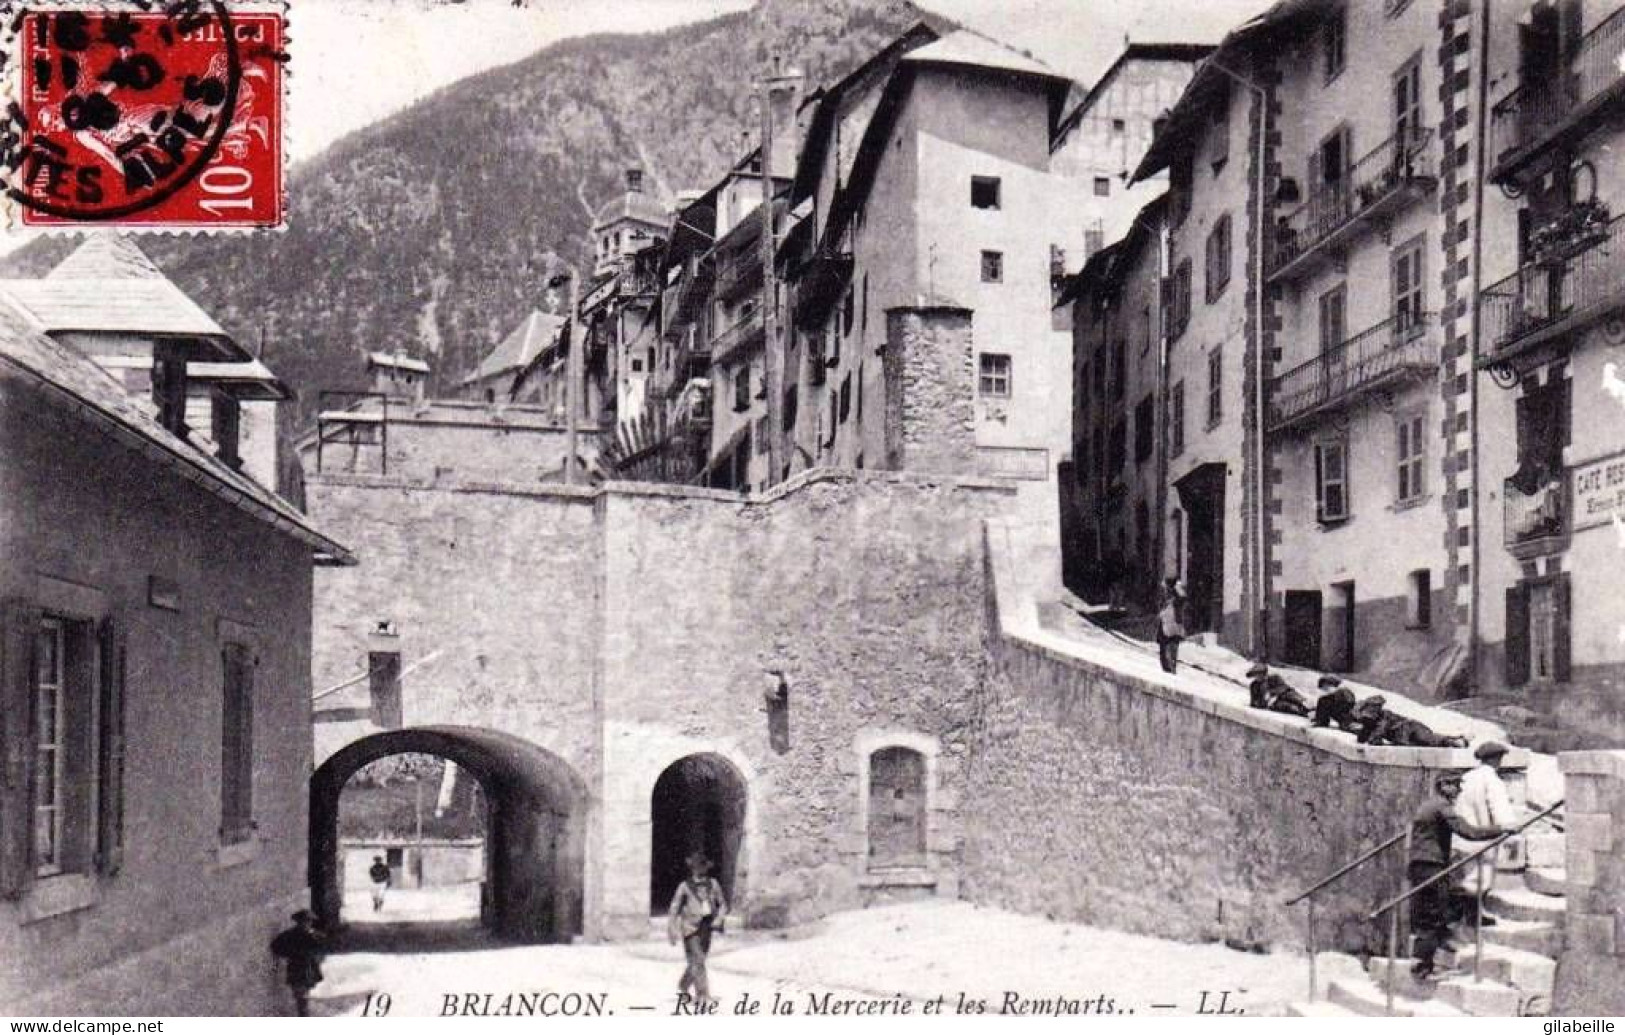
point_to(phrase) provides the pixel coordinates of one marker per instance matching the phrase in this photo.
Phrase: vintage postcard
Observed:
(929, 511)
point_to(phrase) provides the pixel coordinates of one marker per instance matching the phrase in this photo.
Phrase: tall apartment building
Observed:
(1391, 300)
(1111, 493)
(1547, 372)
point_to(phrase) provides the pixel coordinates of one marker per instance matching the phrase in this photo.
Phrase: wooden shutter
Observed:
(1517, 634)
(21, 628)
(1562, 655)
(110, 755)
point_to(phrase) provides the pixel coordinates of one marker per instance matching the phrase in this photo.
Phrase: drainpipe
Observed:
(1257, 623)
(1475, 596)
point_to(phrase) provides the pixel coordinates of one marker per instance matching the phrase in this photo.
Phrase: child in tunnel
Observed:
(697, 910)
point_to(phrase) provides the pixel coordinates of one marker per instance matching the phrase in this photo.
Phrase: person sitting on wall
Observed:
(1335, 706)
(1272, 693)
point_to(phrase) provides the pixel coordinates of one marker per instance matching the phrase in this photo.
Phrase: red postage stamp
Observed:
(145, 114)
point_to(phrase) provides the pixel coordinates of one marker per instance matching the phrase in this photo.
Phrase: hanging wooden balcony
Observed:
(1535, 522)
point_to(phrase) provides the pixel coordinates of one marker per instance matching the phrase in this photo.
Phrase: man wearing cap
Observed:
(697, 910)
(1170, 626)
(1272, 693)
(1335, 706)
(1432, 908)
(301, 948)
(1484, 800)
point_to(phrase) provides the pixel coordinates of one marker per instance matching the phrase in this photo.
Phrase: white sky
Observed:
(357, 61)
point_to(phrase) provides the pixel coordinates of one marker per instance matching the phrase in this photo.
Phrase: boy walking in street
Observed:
(1435, 907)
(379, 875)
(697, 910)
(1170, 625)
(301, 948)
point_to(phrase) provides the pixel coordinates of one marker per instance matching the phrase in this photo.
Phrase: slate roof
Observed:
(109, 285)
(524, 344)
(77, 382)
(973, 50)
(635, 205)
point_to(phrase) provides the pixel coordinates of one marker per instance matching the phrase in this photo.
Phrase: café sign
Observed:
(1599, 491)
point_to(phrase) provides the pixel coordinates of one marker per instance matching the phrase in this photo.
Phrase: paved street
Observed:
(909, 953)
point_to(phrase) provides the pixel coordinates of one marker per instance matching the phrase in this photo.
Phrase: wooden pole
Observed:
(572, 377)
(769, 247)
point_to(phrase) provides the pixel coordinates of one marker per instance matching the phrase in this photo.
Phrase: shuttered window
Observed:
(1331, 481)
(237, 745)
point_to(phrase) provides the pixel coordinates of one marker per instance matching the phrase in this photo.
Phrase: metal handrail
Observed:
(1464, 860)
(1329, 879)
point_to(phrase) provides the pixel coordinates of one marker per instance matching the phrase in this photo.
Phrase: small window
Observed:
(1176, 419)
(1331, 481)
(742, 390)
(1119, 126)
(984, 192)
(993, 381)
(846, 397)
(1179, 302)
(1420, 604)
(848, 310)
(637, 365)
(1145, 429)
(792, 407)
(1103, 187)
(1406, 267)
(1215, 387)
(1218, 258)
(992, 267)
(1218, 138)
(1412, 453)
(1334, 43)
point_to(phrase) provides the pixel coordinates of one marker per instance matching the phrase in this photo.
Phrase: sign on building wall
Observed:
(1599, 491)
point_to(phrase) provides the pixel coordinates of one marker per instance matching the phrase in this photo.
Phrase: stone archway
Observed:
(698, 802)
(537, 829)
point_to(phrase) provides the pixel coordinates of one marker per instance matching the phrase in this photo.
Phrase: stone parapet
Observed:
(1591, 970)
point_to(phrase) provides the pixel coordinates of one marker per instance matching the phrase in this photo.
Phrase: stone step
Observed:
(1523, 904)
(1318, 1008)
(1546, 880)
(1481, 998)
(1528, 972)
(1546, 939)
(1364, 997)
(1545, 850)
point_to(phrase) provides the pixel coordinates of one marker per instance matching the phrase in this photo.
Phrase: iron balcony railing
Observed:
(744, 333)
(1551, 106)
(1548, 297)
(1397, 169)
(1535, 516)
(738, 273)
(1399, 346)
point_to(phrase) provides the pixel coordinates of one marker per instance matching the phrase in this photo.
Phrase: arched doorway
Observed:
(535, 827)
(698, 803)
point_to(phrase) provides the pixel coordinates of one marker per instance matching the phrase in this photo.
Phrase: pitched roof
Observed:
(521, 346)
(634, 205)
(77, 382)
(1177, 53)
(399, 360)
(109, 285)
(251, 380)
(973, 50)
(1178, 129)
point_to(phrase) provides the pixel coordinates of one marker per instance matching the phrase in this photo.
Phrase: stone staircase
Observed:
(1519, 956)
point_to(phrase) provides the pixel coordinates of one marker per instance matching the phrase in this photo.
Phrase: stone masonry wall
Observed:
(930, 375)
(1591, 971)
(1119, 800)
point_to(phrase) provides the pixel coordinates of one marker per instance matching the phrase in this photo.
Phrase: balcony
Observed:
(818, 283)
(1397, 348)
(1579, 278)
(746, 333)
(1398, 172)
(1553, 110)
(1536, 522)
(739, 273)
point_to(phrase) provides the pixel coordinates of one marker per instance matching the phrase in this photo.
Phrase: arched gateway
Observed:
(535, 847)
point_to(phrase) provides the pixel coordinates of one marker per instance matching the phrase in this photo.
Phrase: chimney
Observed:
(783, 99)
(634, 181)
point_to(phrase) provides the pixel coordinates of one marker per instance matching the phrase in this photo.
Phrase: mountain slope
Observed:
(430, 230)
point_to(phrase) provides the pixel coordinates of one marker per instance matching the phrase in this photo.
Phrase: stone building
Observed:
(1112, 499)
(154, 708)
(496, 378)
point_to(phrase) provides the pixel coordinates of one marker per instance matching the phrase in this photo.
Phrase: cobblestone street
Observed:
(905, 953)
